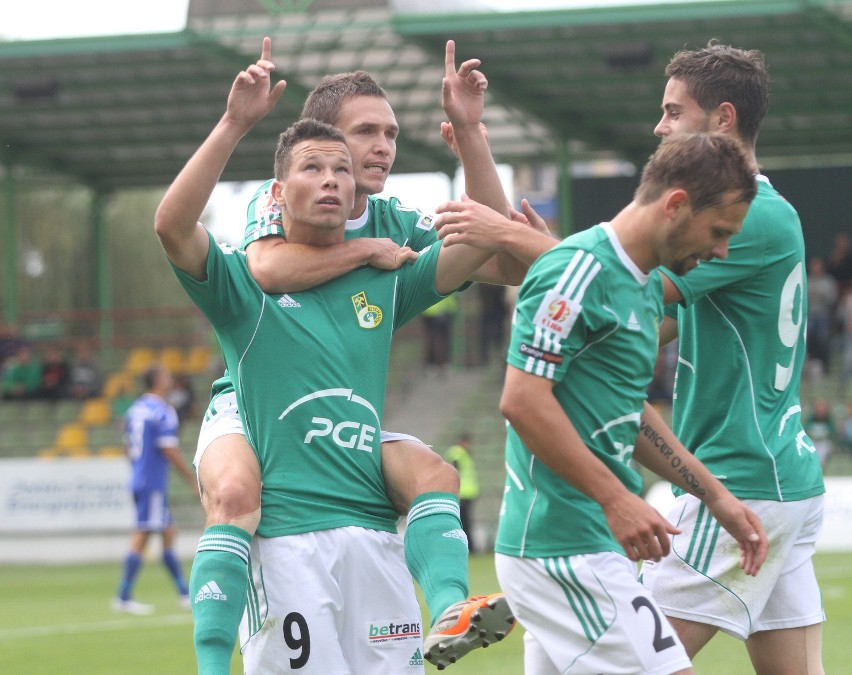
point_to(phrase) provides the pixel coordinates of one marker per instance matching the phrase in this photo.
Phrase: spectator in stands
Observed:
(54, 374)
(821, 429)
(844, 321)
(181, 397)
(460, 456)
(840, 263)
(846, 429)
(822, 296)
(10, 342)
(438, 330)
(22, 374)
(493, 313)
(85, 378)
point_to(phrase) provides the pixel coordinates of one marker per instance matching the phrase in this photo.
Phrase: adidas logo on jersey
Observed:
(633, 322)
(286, 301)
(416, 658)
(210, 591)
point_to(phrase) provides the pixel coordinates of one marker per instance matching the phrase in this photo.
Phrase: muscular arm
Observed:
(659, 450)
(462, 97)
(532, 409)
(176, 222)
(282, 267)
(522, 243)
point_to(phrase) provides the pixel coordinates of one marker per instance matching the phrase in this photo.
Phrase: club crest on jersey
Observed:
(427, 222)
(369, 316)
(557, 313)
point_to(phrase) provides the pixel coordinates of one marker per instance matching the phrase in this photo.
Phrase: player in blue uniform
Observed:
(151, 437)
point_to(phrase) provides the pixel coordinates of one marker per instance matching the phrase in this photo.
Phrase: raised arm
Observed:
(176, 223)
(463, 99)
(659, 450)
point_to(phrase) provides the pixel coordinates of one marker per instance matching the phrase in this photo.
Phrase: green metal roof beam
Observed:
(424, 24)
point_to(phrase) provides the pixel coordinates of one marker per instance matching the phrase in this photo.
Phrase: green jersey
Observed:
(588, 319)
(385, 218)
(309, 371)
(741, 348)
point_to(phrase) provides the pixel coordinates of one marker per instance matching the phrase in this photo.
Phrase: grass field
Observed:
(55, 620)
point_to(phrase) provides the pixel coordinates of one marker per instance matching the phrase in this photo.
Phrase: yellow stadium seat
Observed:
(72, 435)
(117, 383)
(95, 412)
(111, 451)
(139, 359)
(173, 359)
(197, 360)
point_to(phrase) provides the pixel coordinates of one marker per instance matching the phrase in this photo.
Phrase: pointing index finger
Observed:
(266, 50)
(450, 58)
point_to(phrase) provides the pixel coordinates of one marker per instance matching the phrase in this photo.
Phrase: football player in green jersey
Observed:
(582, 354)
(741, 326)
(452, 266)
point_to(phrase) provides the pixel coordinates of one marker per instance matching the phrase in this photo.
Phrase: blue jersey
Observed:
(150, 424)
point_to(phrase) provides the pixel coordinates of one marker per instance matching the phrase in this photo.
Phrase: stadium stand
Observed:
(71, 428)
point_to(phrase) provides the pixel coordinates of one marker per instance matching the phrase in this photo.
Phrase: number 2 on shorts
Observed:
(660, 643)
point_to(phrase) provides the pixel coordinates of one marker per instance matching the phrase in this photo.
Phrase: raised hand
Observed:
(252, 93)
(469, 222)
(450, 138)
(529, 216)
(462, 90)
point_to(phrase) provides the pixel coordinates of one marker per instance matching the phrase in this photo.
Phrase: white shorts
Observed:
(333, 602)
(701, 579)
(225, 419)
(588, 614)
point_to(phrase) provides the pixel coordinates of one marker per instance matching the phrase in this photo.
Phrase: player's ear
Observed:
(674, 201)
(277, 192)
(726, 117)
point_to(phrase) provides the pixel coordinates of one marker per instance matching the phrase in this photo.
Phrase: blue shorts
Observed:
(152, 510)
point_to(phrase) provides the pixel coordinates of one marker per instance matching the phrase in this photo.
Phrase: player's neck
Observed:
(360, 205)
(311, 235)
(634, 227)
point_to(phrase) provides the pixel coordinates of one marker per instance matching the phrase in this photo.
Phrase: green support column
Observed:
(565, 192)
(103, 273)
(10, 264)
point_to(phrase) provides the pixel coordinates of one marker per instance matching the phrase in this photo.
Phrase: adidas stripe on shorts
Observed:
(333, 602)
(586, 615)
(701, 579)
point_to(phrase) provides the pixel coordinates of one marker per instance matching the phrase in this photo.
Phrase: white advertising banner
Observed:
(39, 496)
(836, 534)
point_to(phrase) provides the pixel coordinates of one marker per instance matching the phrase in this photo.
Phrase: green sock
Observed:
(436, 550)
(217, 585)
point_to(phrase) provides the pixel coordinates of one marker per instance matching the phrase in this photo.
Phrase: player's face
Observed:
(681, 114)
(319, 191)
(703, 236)
(370, 128)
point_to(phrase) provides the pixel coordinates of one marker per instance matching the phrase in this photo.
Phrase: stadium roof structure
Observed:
(584, 83)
